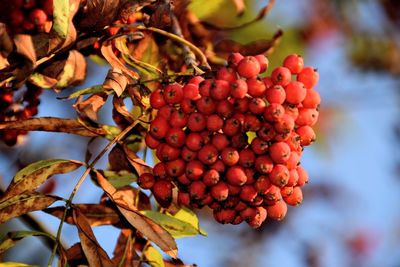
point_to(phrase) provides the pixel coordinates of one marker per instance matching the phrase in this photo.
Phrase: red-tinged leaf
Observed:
(146, 226)
(116, 80)
(24, 203)
(137, 163)
(90, 107)
(50, 124)
(124, 252)
(95, 254)
(32, 176)
(76, 256)
(96, 214)
(42, 81)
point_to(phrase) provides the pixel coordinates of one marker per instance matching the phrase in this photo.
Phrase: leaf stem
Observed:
(80, 181)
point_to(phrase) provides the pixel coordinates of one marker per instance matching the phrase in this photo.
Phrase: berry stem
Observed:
(89, 167)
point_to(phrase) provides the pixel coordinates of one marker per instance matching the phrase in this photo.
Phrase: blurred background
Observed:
(350, 215)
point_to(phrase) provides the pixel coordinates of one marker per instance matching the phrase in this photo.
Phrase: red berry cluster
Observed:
(13, 107)
(28, 16)
(233, 142)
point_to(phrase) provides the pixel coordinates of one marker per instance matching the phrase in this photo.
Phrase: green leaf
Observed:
(86, 91)
(9, 240)
(111, 131)
(16, 264)
(153, 257)
(188, 216)
(32, 176)
(24, 203)
(121, 178)
(61, 17)
(176, 227)
(42, 81)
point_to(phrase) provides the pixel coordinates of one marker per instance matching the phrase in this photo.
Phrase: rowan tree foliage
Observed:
(226, 135)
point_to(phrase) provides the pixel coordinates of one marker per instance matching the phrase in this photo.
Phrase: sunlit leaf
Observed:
(11, 238)
(94, 253)
(16, 264)
(60, 17)
(24, 203)
(136, 162)
(74, 70)
(42, 81)
(86, 91)
(188, 216)
(153, 257)
(120, 178)
(32, 176)
(89, 107)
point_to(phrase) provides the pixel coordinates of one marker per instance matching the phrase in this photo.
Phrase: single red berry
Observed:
(241, 105)
(151, 141)
(279, 175)
(291, 110)
(307, 116)
(236, 176)
(194, 170)
(159, 128)
(175, 137)
(267, 82)
(295, 92)
(234, 59)
(309, 77)
(197, 190)
(220, 90)
(277, 211)
(274, 112)
(196, 80)
(275, 94)
(251, 123)
(279, 152)
(38, 17)
(239, 141)
(261, 216)
(257, 105)
(238, 89)
(169, 152)
(188, 155)
(166, 112)
(266, 132)
(178, 119)
(312, 100)
(208, 154)
(307, 135)
(247, 158)
(184, 180)
(224, 216)
(303, 176)
(196, 122)
(273, 194)
(256, 87)
(16, 17)
(250, 174)
(188, 106)
(262, 185)
(219, 166)
(220, 141)
(157, 99)
(226, 74)
(173, 93)
(204, 87)
(248, 67)
(194, 141)
(162, 191)
(232, 127)
(230, 156)
(263, 61)
(293, 160)
(259, 146)
(183, 199)
(286, 191)
(248, 193)
(146, 180)
(191, 91)
(205, 105)
(234, 190)
(220, 191)
(248, 213)
(294, 63)
(214, 123)
(211, 177)
(284, 125)
(159, 171)
(293, 178)
(295, 198)
(281, 76)
(264, 164)
(225, 109)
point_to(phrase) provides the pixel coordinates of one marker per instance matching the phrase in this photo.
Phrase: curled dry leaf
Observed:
(136, 162)
(146, 226)
(50, 124)
(253, 48)
(32, 176)
(96, 214)
(116, 80)
(95, 254)
(24, 203)
(90, 107)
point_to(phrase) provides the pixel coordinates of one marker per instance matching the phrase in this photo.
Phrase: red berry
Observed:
(220, 191)
(312, 100)
(162, 191)
(151, 141)
(303, 176)
(194, 141)
(38, 17)
(255, 87)
(247, 158)
(157, 99)
(175, 137)
(248, 193)
(238, 89)
(219, 166)
(173, 93)
(295, 92)
(259, 218)
(277, 211)
(284, 125)
(214, 123)
(183, 199)
(169, 152)
(264, 164)
(208, 154)
(241, 105)
(251, 123)
(295, 198)
(248, 67)
(275, 94)
(205, 86)
(307, 116)
(211, 177)
(309, 77)
(188, 155)
(257, 105)
(259, 146)
(236, 176)
(281, 76)
(146, 180)
(196, 80)
(307, 135)
(191, 91)
(267, 132)
(279, 152)
(263, 61)
(166, 112)
(220, 90)
(159, 171)
(47, 6)
(231, 127)
(239, 141)
(294, 63)
(279, 175)
(159, 128)
(234, 59)
(230, 156)
(293, 178)
(184, 180)
(205, 105)
(178, 119)
(262, 185)
(274, 112)
(16, 17)
(197, 190)
(226, 74)
(219, 141)
(196, 122)
(224, 216)
(225, 109)
(194, 170)
(188, 106)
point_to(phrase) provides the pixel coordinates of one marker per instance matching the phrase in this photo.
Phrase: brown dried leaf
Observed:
(24, 203)
(24, 46)
(88, 108)
(120, 107)
(96, 214)
(113, 60)
(75, 255)
(116, 80)
(161, 18)
(96, 14)
(74, 71)
(253, 48)
(137, 163)
(32, 176)
(146, 226)
(50, 124)
(6, 46)
(94, 253)
(117, 159)
(124, 252)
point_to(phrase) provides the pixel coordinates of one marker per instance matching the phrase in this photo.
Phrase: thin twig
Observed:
(119, 137)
